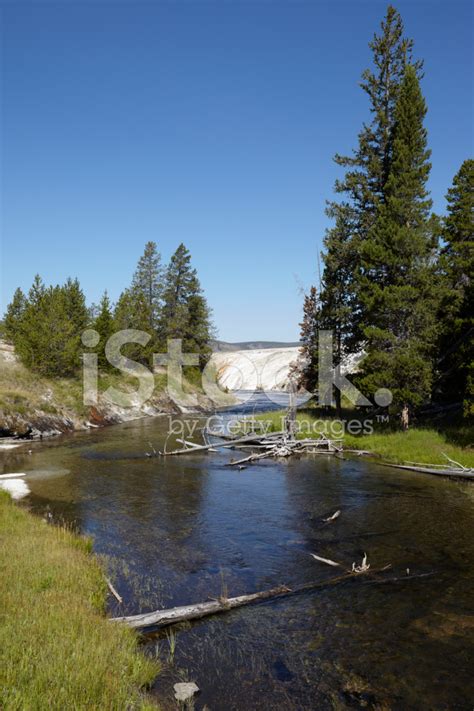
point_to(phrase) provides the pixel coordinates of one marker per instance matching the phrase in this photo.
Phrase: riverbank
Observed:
(423, 444)
(57, 649)
(33, 405)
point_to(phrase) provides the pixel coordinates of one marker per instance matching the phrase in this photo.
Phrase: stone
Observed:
(185, 690)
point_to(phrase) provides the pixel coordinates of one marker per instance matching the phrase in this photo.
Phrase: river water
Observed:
(182, 529)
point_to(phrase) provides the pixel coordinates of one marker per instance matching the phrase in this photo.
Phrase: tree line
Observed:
(46, 324)
(397, 281)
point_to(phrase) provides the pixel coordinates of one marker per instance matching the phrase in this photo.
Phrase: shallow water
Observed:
(174, 530)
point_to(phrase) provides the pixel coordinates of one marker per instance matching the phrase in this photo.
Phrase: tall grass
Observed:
(419, 444)
(57, 650)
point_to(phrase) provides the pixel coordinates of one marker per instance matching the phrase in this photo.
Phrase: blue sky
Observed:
(211, 123)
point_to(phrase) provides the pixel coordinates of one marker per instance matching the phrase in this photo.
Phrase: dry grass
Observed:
(23, 392)
(57, 650)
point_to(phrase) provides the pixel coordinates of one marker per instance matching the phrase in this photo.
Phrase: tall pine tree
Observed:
(185, 313)
(362, 189)
(104, 325)
(148, 281)
(132, 312)
(456, 357)
(396, 285)
(13, 317)
(309, 330)
(31, 342)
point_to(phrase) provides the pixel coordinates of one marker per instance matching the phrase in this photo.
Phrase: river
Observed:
(181, 529)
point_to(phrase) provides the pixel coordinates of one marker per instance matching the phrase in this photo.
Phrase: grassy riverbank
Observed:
(57, 650)
(419, 444)
(29, 400)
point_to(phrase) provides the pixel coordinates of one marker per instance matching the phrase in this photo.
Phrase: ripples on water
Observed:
(173, 529)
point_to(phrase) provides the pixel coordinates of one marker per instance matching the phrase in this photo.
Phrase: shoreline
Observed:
(65, 651)
(423, 443)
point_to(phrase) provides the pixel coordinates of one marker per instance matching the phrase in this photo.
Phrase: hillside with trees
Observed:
(41, 387)
(45, 325)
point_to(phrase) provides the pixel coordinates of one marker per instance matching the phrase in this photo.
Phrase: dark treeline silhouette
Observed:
(46, 325)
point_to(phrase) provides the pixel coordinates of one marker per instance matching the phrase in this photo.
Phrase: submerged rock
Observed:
(185, 690)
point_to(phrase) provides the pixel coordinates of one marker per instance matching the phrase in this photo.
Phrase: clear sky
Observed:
(211, 123)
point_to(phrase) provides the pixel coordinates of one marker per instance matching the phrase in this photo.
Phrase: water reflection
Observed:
(173, 528)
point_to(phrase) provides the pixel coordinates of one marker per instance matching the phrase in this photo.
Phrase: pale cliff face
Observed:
(266, 369)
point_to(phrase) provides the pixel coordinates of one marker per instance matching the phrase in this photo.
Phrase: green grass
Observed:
(57, 650)
(416, 445)
(419, 444)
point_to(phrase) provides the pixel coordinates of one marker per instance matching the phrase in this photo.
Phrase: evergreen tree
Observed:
(185, 313)
(31, 342)
(132, 312)
(397, 286)
(199, 329)
(47, 337)
(13, 317)
(363, 186)
(369, 166)
(78, 317)
(340, 310)
(310, 326)
(60, 353)
(148, 280)
(76, 308)
(456, 361)
(104, 325)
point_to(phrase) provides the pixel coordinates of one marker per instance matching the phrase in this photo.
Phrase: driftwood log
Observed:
(434, 469)
(163, 618)
(223, 445)
(114, 591)
(285, 447)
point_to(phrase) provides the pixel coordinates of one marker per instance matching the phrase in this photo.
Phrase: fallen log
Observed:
(219, 445)
(328, 561)
(163, 618)
(359, 452)
(250, 458)
(114, 591)
(272, 450)
(187, 443)
(192, 445)
(428, 469)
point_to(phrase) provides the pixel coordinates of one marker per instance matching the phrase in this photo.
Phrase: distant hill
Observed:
(224, 347)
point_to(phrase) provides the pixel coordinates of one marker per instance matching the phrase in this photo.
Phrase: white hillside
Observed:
(265, 368)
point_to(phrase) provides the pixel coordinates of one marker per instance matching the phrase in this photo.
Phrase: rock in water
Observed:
(185, 691)
(16, 488)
